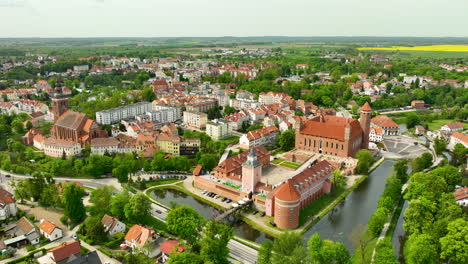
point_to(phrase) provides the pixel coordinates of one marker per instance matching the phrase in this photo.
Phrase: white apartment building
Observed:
(115, 115)
(160, 107)
(219, 129)
(195, 119)
(111, 145)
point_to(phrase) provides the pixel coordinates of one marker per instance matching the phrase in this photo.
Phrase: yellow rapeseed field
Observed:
(450, 48)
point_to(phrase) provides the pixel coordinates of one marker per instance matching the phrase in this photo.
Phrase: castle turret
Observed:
(251, 172)
(365, 120)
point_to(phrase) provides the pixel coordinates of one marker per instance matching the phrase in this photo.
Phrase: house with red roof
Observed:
(49, 230)
(170, 247)
(7, 205)
(461, 196)
(389, 127)
(259, 137)
(453, 127)
(139, 236)
(375, 134)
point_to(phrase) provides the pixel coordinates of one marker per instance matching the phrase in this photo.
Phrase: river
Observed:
(355, 210)
(241, 229)
(336, 225)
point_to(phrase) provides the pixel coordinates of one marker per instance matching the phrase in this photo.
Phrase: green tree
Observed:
(101, 199)
(265, 252)
(288, 248)
(455, 244)
(426, 185)
(18, 126)
(213, 242)
(439, 145)
(365, 160)
(185, 258)
(138, 208)
(412, 120)
(459, 154)
(287, 140)
(325, 251)
(450, 174)
(337, 178)
(378, 220)
(121, 173)
(184, 222)
(420, 249)
(384, 253)
(50, 196)
(94, 229)
(228, 110)
(401, 170)
(148, 95)
(423, 162)
(72, 203)
(419, 216)
(29, 125)
(118, 203)
(208, 161)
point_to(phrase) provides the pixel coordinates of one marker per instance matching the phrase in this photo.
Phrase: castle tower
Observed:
(365, 120)
(287, 205)
(59, 106)
(251, 172)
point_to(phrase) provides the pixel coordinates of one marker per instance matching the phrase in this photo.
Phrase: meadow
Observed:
(444, 48)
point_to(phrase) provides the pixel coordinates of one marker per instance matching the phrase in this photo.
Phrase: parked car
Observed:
(263, 214)
(158, 211)
(224, 199)
(256, 212)
(273, 224)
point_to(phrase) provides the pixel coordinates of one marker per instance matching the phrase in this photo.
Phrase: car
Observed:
(273, 224)
(213, 195)
(263, 214)
(217, 196)
(158, 211)
(228, 201)
(256, 212)
(8, 175)
(224, 199)
(74, 236)
(203, 192)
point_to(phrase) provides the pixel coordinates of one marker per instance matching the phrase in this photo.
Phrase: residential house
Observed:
(31, 106)
(390, 128)
(56, 147)
(268, 121)
(238, 119)
(461, 196)
(26, 230)
(453, 127)
(259, 137)
(50, 230)
(112, 225)
(169, 247)
(456, 138)
(8, 108)
(7, 204)
(69, 253)
(139, 236)
(285, 125)
(418, 104)
(419, 130)
(376, 134)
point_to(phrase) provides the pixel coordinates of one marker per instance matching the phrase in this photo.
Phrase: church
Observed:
(333, 135)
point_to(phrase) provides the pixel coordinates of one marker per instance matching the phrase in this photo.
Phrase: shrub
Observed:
(30, 247)
(64, 219)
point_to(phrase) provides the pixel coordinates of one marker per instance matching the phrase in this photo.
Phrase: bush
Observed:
(32, 218)
(64, 219)
(30, 247)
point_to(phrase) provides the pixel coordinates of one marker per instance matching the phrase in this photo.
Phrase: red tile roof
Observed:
(331, 127)
(197, 170)
(366, 107)
(454, 125)
(287, 192)
(384, 121)
(65, 250)
(6, 197)
(170, 246)
(47, 227)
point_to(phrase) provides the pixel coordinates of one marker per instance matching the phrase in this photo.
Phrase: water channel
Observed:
(336, 225)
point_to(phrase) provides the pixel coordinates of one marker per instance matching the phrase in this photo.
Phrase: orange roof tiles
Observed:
(287, 192)
(47, 227)
(65, 250)
(366, 107)
(331, 127)
(383, 121)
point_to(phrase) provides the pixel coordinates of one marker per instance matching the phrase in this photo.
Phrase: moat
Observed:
(337, 225)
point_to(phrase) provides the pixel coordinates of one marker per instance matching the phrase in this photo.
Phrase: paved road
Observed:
(242, 252)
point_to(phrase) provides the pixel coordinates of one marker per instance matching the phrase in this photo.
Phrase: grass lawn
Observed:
(230, 140)
(153, 183)
(436, 124)
(318, 205)
(286, 164)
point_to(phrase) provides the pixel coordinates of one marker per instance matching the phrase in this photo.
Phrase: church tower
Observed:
(365, 120)
(251, 172)
(59, 106)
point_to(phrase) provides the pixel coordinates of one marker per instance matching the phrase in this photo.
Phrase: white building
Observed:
(219, 129)
(112, 225)
(7, 205)
(8, 108)
(259, 137)
(453, 127)
(195, 119)
(115, 115)
(110, 145)
(56, 147)
(31, 106)
(376, 134)
(161, 107)
(50, 230)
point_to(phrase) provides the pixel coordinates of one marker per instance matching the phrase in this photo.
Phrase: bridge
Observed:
(235, 206)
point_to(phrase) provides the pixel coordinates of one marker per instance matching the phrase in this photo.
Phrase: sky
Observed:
(215, 18)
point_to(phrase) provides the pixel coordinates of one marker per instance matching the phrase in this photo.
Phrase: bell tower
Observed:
(365, 120)
(251, 172)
